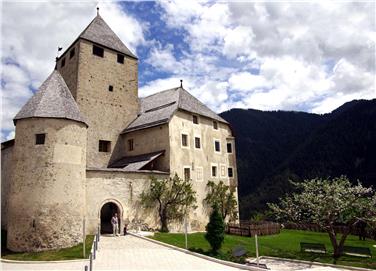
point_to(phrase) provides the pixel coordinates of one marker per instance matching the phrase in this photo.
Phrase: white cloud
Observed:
(31, 33)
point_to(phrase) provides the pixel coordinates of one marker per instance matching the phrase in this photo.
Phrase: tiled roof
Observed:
(137, 162)
(52, 100)
(99, 32)
(158, 108)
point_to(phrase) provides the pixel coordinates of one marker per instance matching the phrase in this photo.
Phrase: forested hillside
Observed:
(273, 147)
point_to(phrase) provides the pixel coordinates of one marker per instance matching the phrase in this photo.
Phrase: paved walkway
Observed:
(132, 253)
(79, 266)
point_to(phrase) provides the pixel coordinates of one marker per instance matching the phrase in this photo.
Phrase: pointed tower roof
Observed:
(52, 100)
(99, 32)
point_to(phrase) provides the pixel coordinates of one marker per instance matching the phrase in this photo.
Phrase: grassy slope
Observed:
(284, 245)
(51, 255)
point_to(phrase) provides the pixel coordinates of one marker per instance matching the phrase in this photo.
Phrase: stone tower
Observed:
(101, 73)
(47, 191)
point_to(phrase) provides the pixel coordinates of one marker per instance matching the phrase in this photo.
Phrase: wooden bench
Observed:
(312, 247)
(357, 251)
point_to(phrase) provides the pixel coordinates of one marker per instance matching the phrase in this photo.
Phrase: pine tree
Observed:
(215, 230)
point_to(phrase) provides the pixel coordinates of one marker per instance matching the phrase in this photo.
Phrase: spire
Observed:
(97, 11)
(181, 83)
(52, 100)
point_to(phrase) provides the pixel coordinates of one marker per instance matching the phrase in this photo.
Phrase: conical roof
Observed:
(52, 100)
(99, 32)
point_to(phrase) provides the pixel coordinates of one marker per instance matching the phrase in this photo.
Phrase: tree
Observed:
(327, 203)
(173, 197)
(222, 196)
(215, 230)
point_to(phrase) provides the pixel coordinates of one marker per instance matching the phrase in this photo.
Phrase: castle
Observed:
(86, 145)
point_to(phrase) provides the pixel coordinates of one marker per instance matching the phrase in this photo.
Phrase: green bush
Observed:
(215, 230)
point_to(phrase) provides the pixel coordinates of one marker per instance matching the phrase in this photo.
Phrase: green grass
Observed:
(71, 253)
(283, 245)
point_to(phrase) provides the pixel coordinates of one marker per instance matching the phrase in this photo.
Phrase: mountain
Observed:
(275, 146)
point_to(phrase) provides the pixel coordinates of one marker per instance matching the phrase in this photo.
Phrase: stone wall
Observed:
(46, 195)
(108, 112)
(70, 70)
(150, 140)
(121, 188)
(200, 161)
(6, 175)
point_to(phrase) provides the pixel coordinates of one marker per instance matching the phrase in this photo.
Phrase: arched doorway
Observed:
(107, 211)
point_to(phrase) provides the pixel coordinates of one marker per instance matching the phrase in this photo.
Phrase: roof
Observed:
(134, 163)
(99, 32)
(52, 100)
(7, 144)
(158, 108)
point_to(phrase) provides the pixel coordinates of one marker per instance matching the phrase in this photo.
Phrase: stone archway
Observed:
(107, 211)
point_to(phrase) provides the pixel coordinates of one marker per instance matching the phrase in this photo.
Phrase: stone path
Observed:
(132, 253)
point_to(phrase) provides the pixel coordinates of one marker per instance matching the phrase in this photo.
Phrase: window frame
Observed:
(219, 144)
(195, 119)
(232, 172)
(229, 144)
(190, 173)
(121, 58)
(198, 170)
(40, 139)
(187, 140)
(111, 88)
(130, 144)
(95, 47)
(72, 53)
(200, 144)
(215, 125)
(223, 166)
(107, 144)
(62, 64)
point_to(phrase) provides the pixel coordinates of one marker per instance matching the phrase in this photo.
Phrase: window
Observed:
(197, 143)
(229, 148)
(40, 139)
(110, 88)
(184, 140)
(217, 146)
(215, 125)
(200, 175)
(120, 58)
(98, 51)
(130, 145)
(230, 172)
(104, 146)
(187, 173)
(71, 54)
(223, 171)
(214, 171)
(195, 119)
(63, 62)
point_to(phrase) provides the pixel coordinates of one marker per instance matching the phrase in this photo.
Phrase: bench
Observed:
(357, 251)
(312, 247)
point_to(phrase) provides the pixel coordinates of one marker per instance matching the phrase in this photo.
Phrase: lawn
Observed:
(283, 245)
(51, 255)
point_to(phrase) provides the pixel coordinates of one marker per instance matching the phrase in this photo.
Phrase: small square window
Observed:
(110, 88)
(184, 140)
(197, 143)
(214, 171)
(104, 146)
(120, 58)
(195, 119)
(40, 139)
(63, 62)
(98, 51)
(72, 52)
(130, 145)
(187, 174)
(230, 172)
(215, 125)
(229, 148)
(217, 146)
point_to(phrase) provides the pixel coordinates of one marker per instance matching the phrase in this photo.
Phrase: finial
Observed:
(181, 83)
(97, 11)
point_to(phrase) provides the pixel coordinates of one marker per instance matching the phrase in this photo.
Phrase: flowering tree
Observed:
(326, 203)
(222, 196)
(173, 197)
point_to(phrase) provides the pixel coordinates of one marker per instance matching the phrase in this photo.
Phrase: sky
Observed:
(305, 56)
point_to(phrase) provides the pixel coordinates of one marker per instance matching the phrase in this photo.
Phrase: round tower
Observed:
(47, 191)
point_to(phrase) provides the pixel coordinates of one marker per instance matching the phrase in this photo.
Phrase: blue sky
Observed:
(306, 56)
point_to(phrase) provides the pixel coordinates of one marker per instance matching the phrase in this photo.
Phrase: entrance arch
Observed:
(106, 213)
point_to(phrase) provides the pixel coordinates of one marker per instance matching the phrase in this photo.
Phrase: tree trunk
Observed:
(336, 250)
(163, 218)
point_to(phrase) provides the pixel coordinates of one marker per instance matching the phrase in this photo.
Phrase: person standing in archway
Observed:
(115, 225)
